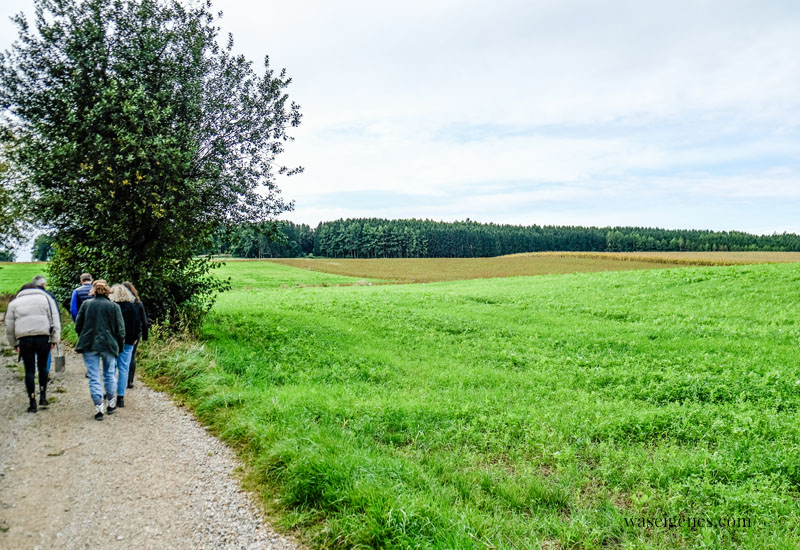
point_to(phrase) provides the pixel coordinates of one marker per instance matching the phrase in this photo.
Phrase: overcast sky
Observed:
(679, 114)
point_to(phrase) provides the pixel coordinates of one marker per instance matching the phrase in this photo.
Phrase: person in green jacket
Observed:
(101, 332)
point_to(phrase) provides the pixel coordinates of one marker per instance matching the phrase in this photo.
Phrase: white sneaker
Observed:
(111, 405)
(98, 411)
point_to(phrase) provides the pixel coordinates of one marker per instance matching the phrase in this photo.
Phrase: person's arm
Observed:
(73, 305)
(55, 337)
(145, 321)
(80, 319)
(120, 328)
(10, 333)
(138, 325)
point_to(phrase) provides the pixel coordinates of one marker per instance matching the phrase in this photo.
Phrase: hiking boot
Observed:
(121, 401)
(98, 412)
(43, 402)
(32, 405)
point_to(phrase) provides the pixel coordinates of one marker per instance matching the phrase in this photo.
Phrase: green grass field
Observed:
(559, 411)
(14, 275)
(248, 275)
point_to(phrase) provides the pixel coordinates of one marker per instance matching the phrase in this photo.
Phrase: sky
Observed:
(680, 114)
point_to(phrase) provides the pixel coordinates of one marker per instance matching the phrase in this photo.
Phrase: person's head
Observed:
(129, 286)
(100, 288)
(120, 294)
(39, 281)
(27, 286)
(86, 278)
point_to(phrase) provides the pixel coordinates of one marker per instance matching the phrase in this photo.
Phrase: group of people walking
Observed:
(110, 323)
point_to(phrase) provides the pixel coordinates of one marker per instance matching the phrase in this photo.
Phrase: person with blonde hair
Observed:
(145, 330)
(133, 326)
(101, 333)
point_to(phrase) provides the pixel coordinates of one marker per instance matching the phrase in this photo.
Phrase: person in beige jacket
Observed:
(33, 328)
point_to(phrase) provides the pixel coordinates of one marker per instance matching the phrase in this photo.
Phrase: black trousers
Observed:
(132, 368)
(34, 351)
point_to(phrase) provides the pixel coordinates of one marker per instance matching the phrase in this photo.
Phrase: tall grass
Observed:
(553, 411)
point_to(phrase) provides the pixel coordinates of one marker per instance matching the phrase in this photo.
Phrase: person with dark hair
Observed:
(80, 295)
(33, 328)
(101, 333)
(142, 335)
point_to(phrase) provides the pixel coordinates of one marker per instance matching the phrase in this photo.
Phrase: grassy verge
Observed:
(557, 411)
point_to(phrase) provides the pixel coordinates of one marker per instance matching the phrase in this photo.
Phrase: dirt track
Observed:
(148, 476)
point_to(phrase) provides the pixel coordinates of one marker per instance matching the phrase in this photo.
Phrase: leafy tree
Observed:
(14, 214)
(138, 136)
(6, 256)
(42, 248)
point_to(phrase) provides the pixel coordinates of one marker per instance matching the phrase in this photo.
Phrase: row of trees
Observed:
(280, 239)
(381, 238)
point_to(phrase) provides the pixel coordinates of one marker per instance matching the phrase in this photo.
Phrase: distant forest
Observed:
(380, 238)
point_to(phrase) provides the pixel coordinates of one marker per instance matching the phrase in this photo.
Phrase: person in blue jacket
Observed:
(80, 295)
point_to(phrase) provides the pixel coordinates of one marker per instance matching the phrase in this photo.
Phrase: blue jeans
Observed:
(123, 364)
(92, 361)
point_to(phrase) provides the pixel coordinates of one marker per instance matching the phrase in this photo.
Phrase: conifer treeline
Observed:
(381, 238)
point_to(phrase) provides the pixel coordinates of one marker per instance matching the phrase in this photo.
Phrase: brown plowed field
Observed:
(423, 270)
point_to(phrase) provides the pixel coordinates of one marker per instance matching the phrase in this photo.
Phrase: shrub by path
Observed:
(147, 476)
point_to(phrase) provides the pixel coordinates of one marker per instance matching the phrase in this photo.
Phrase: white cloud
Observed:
(646, 110)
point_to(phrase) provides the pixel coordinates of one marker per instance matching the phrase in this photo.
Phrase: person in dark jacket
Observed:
(101, 334)
(80, 295)
(121, 296)
(142, 336)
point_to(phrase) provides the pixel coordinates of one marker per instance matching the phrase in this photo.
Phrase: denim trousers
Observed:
(123, 364)
(109, 374)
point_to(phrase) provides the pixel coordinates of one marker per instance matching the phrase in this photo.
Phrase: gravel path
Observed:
(148, 476)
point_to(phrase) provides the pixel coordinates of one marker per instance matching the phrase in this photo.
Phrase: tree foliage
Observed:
(139, 135)
(42, 249)
(14, 211)
(281, 239)
(380, 238)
